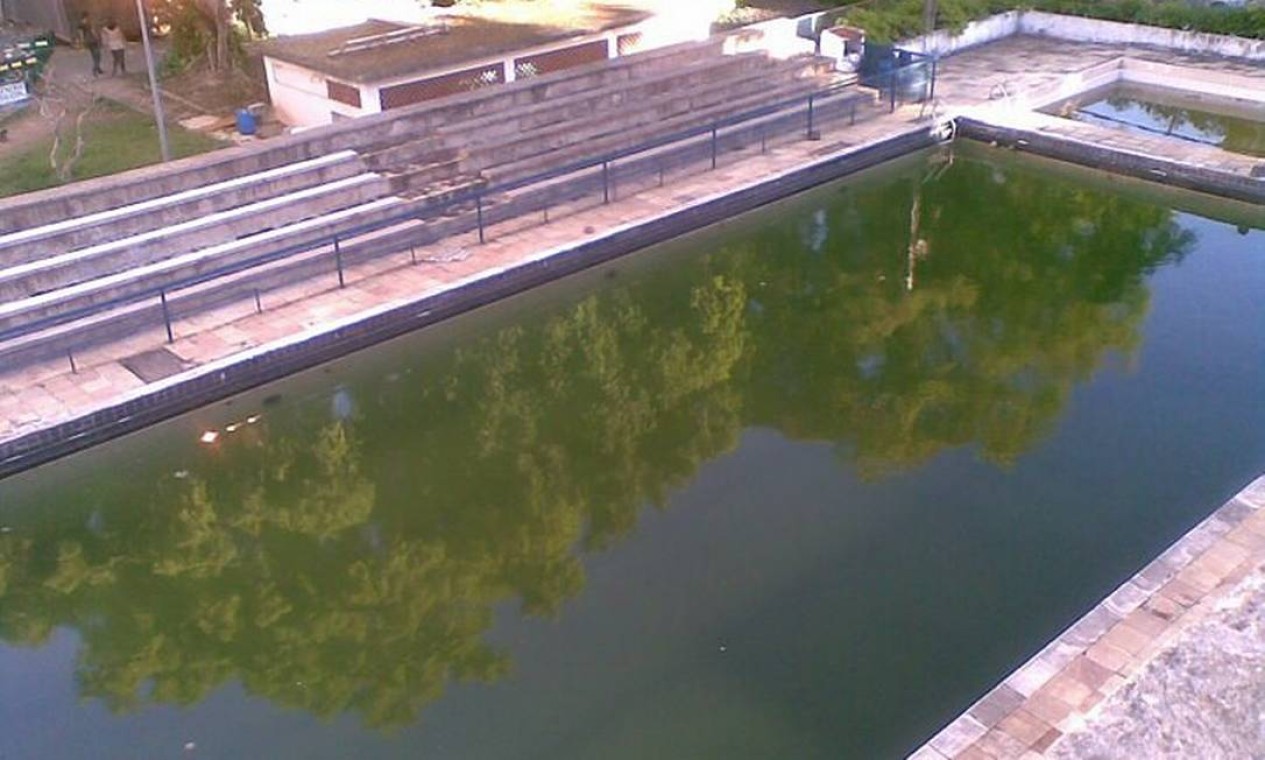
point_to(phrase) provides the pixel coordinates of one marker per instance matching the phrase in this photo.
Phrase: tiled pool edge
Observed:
(1147, 166)
(221, 379)
(1051, 693)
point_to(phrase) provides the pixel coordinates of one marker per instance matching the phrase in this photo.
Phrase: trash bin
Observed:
(245, 121)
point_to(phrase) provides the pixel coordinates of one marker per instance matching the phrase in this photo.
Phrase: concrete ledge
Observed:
(1148, 167)
(211, 382)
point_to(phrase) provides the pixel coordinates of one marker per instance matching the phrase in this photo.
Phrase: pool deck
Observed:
(1075, 692)
(1167, 665)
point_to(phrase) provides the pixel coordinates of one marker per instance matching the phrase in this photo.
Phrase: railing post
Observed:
(70, 354)
(892, 84)
(713, 145)
(934, 66)
(162, 297)
(809, 133)
(606, 182)
(259, 307)
(338, 262)
(478, 210)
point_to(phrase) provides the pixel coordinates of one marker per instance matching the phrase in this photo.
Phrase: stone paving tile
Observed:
(1024, 727)
(995, 705)
(958, 736)
(1032, 676)
(999, 744)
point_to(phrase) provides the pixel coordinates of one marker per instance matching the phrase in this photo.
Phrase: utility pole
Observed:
(153, 83)
(929, 9)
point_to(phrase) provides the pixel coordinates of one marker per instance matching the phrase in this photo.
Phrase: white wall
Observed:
(1202, 83)
(1077, 29)
(300, 98)
(1113, 32)
(944, 42)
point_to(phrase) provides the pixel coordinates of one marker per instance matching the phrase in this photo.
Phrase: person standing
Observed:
(112, 36)
(89, 38)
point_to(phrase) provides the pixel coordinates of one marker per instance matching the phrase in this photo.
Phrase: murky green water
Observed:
(1156, 111)
(802, 486)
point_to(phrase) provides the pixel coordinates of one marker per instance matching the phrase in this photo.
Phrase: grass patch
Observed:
(115, 139)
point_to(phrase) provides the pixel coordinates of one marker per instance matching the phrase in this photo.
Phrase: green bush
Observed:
(1172, 14)
(890, 20)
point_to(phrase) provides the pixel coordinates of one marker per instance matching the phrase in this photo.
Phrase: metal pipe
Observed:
(338, 262)
(162, 296)
(159, 116)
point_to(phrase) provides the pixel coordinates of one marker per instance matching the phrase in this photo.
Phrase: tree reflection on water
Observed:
(351, 562)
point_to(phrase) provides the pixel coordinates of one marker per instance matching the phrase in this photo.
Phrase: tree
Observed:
(66, 109)
(210, 31)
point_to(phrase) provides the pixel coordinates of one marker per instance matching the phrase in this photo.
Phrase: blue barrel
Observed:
(245, 122)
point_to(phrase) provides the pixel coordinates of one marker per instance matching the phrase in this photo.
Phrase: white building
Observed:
(379, 65)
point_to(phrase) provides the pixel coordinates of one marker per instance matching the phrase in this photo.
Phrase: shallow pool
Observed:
(1230, 125)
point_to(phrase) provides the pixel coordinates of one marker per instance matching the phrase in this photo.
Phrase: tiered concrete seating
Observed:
(72, 267)
(202, 233)
(67, 234)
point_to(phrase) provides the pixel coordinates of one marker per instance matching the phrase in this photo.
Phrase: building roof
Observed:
(455, 40)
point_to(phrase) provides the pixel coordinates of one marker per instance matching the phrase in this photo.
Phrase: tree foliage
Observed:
(893, 20)
(209, 32)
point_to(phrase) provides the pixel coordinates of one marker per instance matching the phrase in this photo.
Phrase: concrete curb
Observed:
(1148, 167)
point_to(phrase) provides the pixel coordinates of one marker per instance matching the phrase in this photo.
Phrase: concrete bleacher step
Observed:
(146, 183)
(663, 93)
(609, 142)
(620, 95)
(590, 182)
(442, 191)
(410, 179)
(522, 125)
(662, 114)
(311, 264)
(99, 292)
(507, 109)
(406, 150)
(77, 232)
(48, 274)
(425, 118)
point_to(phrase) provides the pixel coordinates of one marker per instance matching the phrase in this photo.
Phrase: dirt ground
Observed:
(212, 93)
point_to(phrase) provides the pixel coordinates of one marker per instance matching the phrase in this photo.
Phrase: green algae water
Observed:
(803, 485)
(1229, 125)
